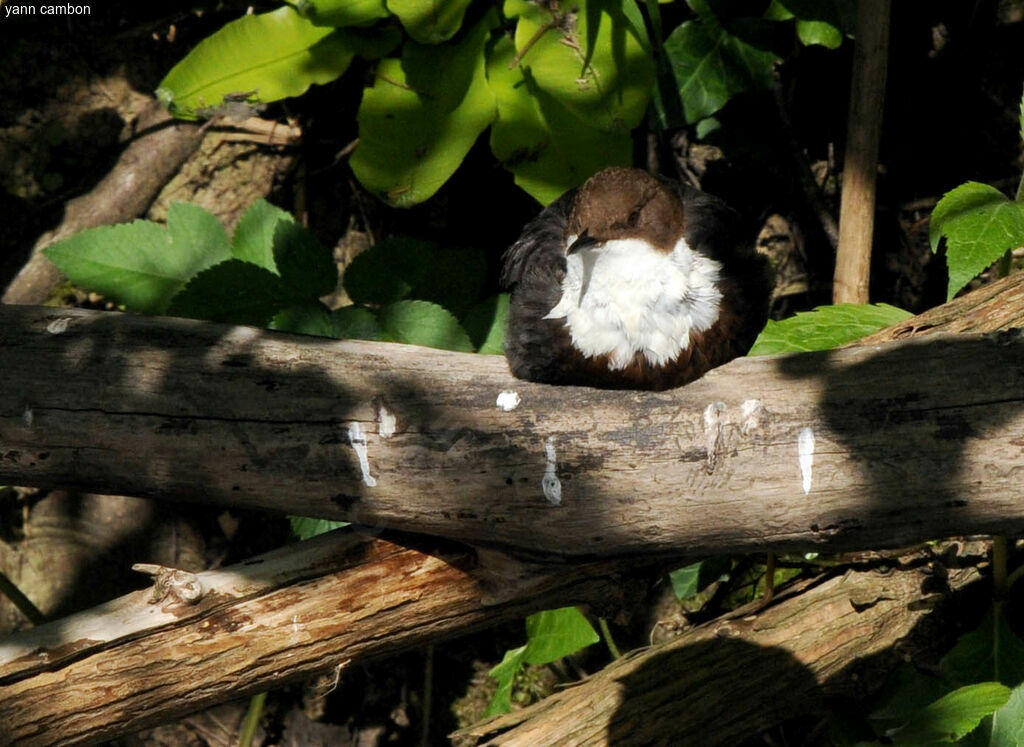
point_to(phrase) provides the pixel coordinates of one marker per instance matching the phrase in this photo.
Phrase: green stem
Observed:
(655, 13)
(251, 722)
(19, 600)
(606, 633)
(1000, 552)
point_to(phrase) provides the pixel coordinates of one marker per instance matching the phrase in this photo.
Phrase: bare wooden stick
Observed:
(146, 658)
(858, 448)
(857, 207)
(125, 193)
(727, 681)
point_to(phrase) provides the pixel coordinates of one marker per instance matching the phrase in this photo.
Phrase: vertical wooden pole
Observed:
(857, 209)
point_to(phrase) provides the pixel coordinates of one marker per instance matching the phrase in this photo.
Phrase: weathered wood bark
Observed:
(732, 679)
(125, 193)
(858, 448)
(287, 615)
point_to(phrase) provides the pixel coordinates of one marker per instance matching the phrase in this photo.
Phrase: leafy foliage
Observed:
(551, 635)
(305, 527)
(980, 225)
(825, 327)
(560, 85)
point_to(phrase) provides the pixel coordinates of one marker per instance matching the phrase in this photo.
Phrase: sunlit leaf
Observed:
(430, 21)
(826, 327)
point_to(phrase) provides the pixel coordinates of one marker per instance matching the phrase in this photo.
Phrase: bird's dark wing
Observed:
(539, 246)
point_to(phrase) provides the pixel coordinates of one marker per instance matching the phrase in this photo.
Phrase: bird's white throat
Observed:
(625, 297)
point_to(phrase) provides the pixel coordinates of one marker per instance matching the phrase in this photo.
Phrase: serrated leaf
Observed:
(341, 12)
(141, 264)
(430, 21)
(587, 56)
(992, 651)
(306, 319)
(952, 716)
(826, 327)
(403, 268)
(980, 225)
(422, 115)
(235, 292)
(486, 322)
(546, 147)
(305, 527)
(710, 66)
(356, 323)
(256, 58)
(254, 235)
(302, 262)
(423, 323)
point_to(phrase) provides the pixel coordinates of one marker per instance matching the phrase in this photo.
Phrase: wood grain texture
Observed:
(912, 440)
(273, 619)
(730, 680)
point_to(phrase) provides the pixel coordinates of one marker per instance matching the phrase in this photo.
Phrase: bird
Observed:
(632, 281)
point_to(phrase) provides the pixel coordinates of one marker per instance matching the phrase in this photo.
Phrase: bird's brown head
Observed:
(622, 203)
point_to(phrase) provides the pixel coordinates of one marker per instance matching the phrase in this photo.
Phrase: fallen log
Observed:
(866, 447)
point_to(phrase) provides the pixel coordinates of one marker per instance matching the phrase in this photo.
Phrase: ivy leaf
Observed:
(819, 32)
(588, 56)
(428, 21)
(141, 264)
(992, 651)
(235, 292)
(694, 578)
(305, 527)
(254, 235)
(980, 225)
(423, 323)
(256, 58)
(548, 149)
(952, 716)
(826, 327)
(710, 65)
(422, 115)
(552, 634)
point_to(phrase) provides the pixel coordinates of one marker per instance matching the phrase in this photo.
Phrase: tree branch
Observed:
(857, 448)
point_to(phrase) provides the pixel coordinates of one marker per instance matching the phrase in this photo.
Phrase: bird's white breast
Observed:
(625, 297)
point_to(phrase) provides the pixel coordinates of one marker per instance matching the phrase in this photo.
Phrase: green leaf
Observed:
(422, 323)
(711, 66)
(554, 634)
(980, 225)
(486, 322)
(992, 651)
(819, 32)
(1007, 728)
(141, 264)
(952, 716)
(302, 262)
(546, 147)
(306, 319)
(505, 673)
(400, 268)
(430, 21)
(341, 12)
(256, 58)
(235, 292)
(254, 235)
(422, 115)
(840, 14)
(356, 323)
(305, 527)
(694, 578)
(906, 691)
(826, 327)
(586, 55)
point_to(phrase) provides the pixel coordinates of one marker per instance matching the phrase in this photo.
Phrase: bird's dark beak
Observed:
(584, 241)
